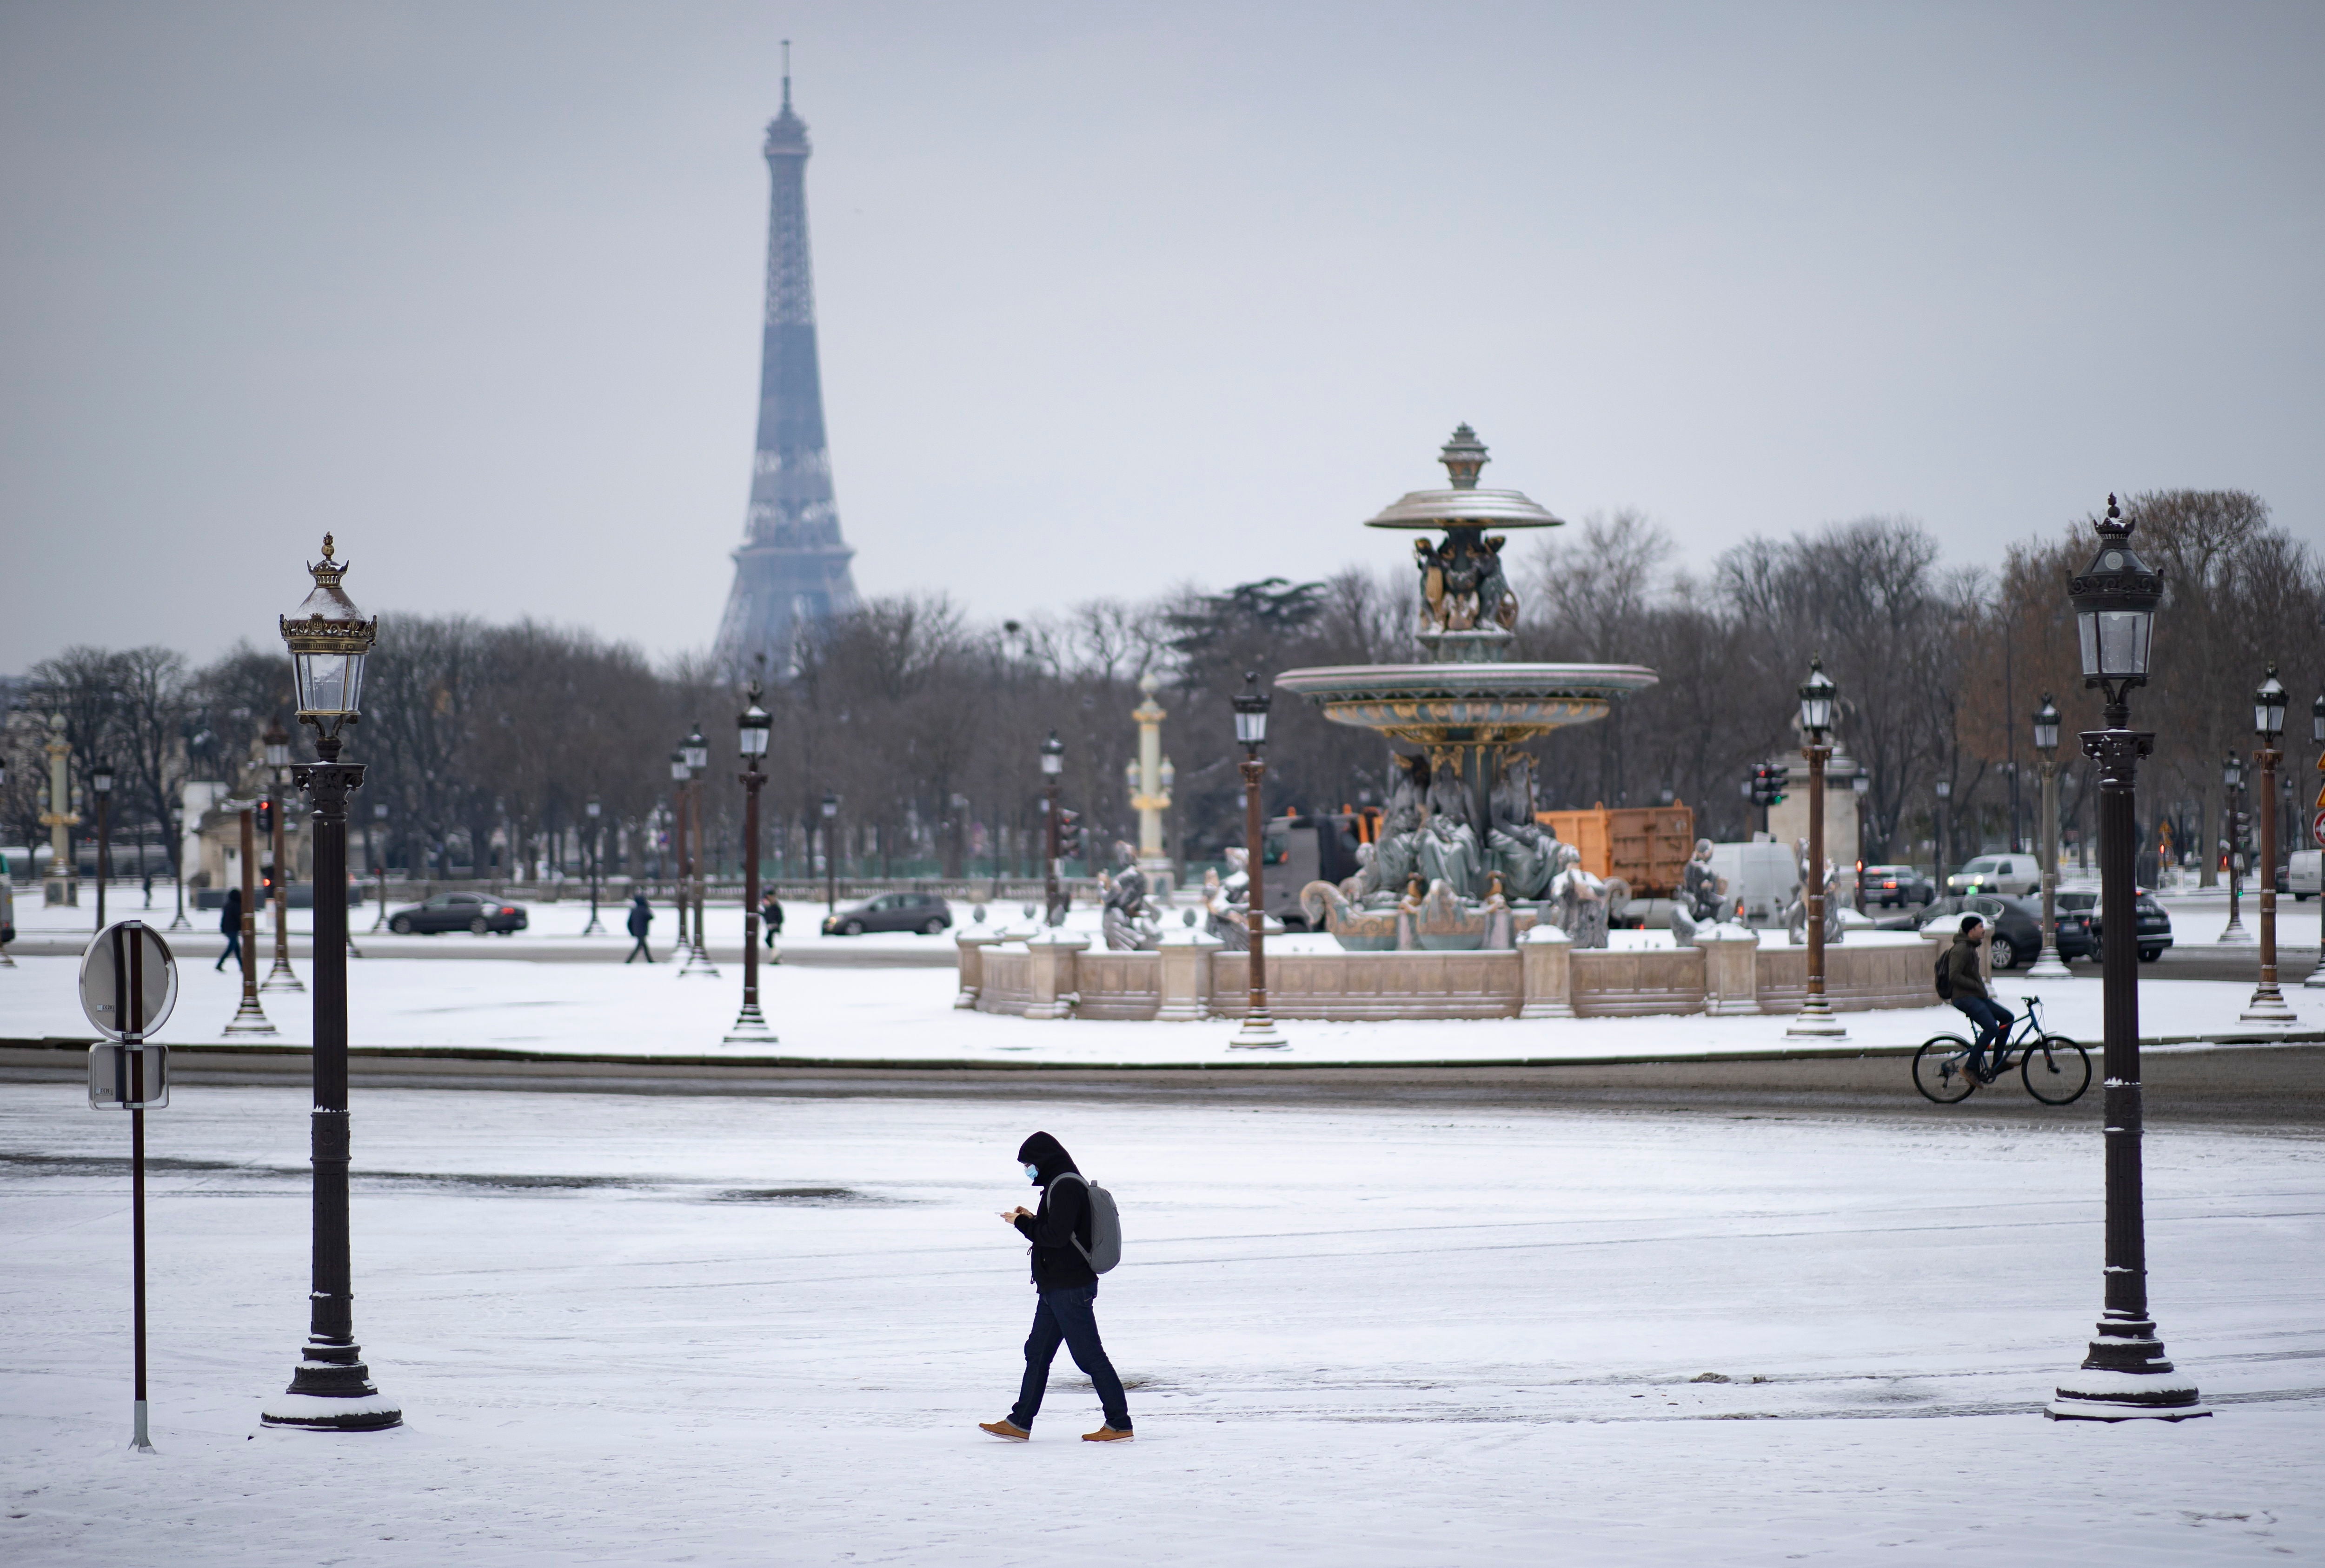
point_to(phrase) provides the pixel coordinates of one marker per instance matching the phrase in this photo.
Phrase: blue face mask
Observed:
(1032, 1173)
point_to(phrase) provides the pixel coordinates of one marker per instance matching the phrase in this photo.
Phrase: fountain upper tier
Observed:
(1492, 703)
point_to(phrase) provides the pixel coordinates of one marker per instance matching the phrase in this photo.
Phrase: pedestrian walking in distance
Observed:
(230, 922)
(1972, 999)
(641, 922)
(1067, 1239)
(771, 917)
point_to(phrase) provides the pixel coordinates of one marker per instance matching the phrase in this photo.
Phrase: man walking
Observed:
(1971, 998)
(1065, 1311)
(641, 922)
(771, 917)
(230, 922)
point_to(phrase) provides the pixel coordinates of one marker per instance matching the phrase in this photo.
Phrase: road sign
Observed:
(2317, 830)
(128, 980)
(133, 1077)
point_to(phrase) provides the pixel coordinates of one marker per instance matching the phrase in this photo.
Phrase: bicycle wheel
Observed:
(1941, 1070)
(2056, 1070)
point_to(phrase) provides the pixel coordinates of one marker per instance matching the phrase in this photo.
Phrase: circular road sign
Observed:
(2317, 830)
(128, 980)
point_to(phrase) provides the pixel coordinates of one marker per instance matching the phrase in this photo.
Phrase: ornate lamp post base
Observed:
(2268, 1006)
(2050, 966)
(1258, 1033)
(697, 962)
(2125, 1377)
(280, 977)
(1816, 1021)
(331, 1391)
(750, 1027)
(249, 1018)
(2316, 982)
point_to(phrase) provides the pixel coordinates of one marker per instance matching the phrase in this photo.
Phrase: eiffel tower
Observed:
(792, 570)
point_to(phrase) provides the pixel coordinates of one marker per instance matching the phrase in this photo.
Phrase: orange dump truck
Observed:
(1646, 846)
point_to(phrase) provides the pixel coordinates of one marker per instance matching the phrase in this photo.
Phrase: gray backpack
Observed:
(1104, 1249)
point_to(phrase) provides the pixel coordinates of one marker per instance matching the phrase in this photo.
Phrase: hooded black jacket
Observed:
(1063, 1218)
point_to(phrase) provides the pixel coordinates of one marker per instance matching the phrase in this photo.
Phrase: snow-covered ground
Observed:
(748, 1330)
(907, 1015)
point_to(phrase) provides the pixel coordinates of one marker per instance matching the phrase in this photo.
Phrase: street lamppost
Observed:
(2268, 1005)
(1945, 797)
(831, 856)
(63, 882)
(379, 861)
(2316, 982)
(1053, 767)
(2232, 802)
(592, 810)
(1258, 1032)
(751, 739)
(328, 636)
(1815, 1020)
(178, 921)
(1861, 786)
(2128, 1374)
(100, 782)
(696, 751)
(678, 847)
(2048, 965)
(281, 976)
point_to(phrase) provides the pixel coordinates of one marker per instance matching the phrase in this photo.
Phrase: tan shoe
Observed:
(1006, 1429)
(1106, 1434)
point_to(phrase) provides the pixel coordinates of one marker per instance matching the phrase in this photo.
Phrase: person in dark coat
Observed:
(1066, 1309)
(230, 922)
(771, 916)
(1971, 998)
(641, 922)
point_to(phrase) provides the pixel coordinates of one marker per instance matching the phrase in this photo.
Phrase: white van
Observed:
(1764, 875)
(2304, 874)
(2011, 875)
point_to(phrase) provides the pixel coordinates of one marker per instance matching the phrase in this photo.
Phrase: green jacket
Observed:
(1963, 971)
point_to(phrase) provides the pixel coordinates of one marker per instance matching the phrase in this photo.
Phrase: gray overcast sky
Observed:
(1113, 297)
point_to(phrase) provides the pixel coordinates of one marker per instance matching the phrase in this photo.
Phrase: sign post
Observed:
(128, 984)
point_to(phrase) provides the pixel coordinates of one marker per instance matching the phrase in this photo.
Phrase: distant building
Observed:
(792, 570)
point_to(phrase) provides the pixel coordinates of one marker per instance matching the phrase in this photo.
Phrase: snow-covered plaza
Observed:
(646, 1328)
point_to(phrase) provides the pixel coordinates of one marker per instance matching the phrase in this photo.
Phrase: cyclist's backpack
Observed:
(1104, 1249)
(1945, 981)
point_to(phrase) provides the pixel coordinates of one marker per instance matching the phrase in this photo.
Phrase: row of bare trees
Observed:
(487, 741)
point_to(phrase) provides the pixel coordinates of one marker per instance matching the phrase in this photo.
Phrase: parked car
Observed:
(2302, 874)
(458, 912)
(2154, 924)
(2077, 912)
(923, 912)
(2017, 875)
(1896, 887)
(2017, 924)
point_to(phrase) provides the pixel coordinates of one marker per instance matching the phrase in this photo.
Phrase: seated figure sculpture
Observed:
(1128, 921)
(1448, 844)
(1223, 900)
(1700, 894)
(1518, 847)
(1381, 877)
(1579, 901)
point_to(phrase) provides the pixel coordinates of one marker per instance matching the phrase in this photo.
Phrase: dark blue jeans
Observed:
(1070, 1317)
(1993, 1020)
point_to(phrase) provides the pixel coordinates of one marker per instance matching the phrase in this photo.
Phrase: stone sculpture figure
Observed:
(1222, 901)
(1796, 913)
(1462, 585)
(1397, 856)
(1128, 921)
(1579, 899)
(1699, 890)
(1448, 844)
(1517, 847)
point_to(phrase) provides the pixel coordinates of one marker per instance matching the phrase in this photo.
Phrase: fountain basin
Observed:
(1435, 705)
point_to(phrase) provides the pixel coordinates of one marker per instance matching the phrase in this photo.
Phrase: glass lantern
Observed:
(327, 637)
(1251, 706)
(2115, 601)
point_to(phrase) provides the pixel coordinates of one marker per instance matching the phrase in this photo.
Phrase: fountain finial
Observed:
(1463, 456)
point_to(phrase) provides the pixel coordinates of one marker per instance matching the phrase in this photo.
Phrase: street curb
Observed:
(53, 1046)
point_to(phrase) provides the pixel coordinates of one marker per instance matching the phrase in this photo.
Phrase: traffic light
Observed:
(1767, 783)
(264, 819)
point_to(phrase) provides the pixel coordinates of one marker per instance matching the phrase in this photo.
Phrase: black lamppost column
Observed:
(2125, 1374)
(751, 739)
(1815, 1020)
(249, 1017)
(100, 781)
(831, 856)
(2232, 839)
(696, 751)
(328, 636)
(2048, 965)
(1258, 1032)
(1053, 764)
(2268, 1005)
(281, 976)
(593, 810)
(678, 852)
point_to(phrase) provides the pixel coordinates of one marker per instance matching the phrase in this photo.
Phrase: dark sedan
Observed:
(2154, 924)
(923, 912)
(1892, 887)
(458, 912)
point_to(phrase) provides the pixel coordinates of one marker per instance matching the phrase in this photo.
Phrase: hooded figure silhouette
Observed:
(1065, 1311)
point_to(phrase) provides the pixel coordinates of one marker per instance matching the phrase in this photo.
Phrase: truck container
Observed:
(1646, 846)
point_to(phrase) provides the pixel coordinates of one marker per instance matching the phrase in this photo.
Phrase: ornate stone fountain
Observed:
(1460, 813)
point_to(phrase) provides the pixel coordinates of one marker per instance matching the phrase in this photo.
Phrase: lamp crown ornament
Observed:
(327, 637)
(1464, 457)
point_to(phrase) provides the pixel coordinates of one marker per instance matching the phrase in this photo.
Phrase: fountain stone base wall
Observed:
(1536, 981)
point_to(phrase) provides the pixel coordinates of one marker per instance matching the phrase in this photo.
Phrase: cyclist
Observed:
(1971, 998)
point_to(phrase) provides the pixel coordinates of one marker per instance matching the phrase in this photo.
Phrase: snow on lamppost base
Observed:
(331, 1391)
(750, 1027)
(1258, 1033)
(1816, 1021)
(2125, 1377)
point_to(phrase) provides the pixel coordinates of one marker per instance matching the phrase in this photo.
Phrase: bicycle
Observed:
(2055, 1069)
